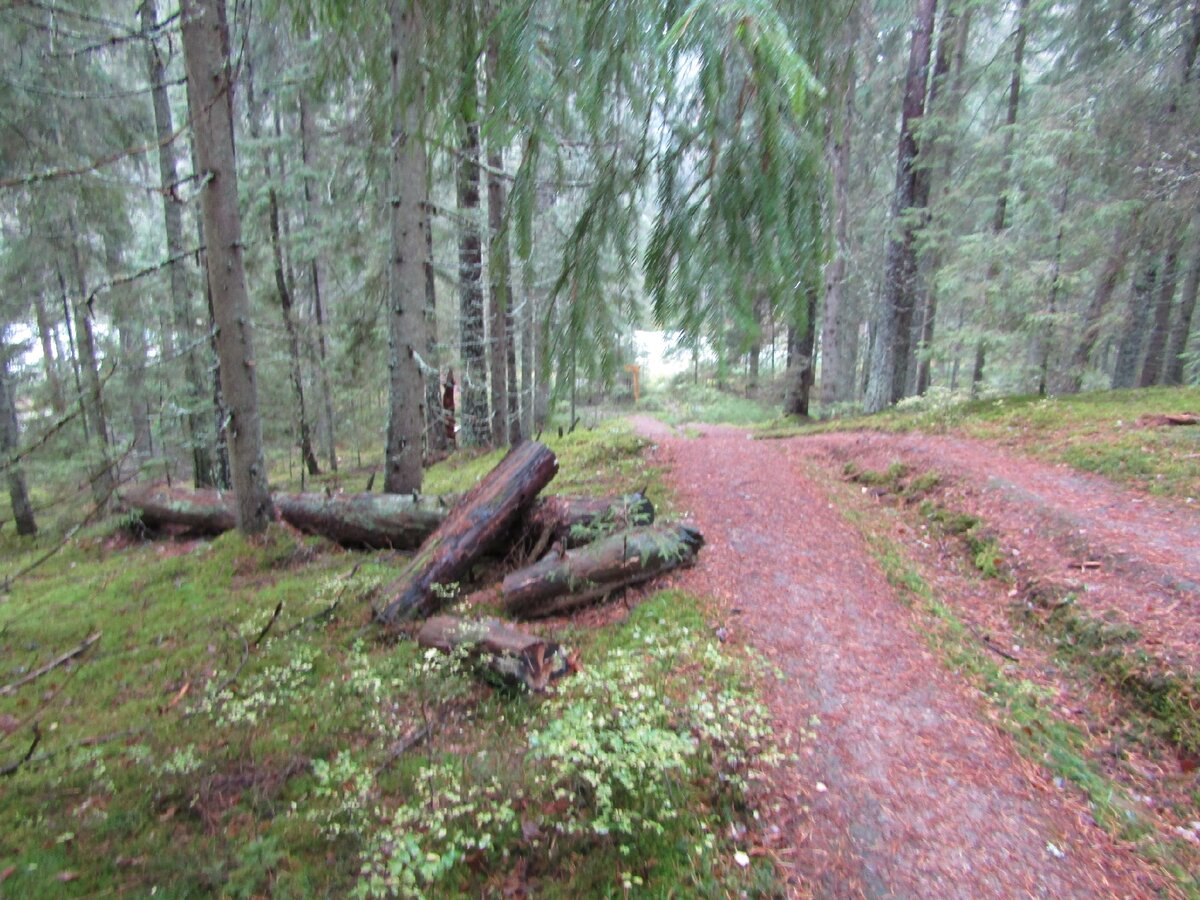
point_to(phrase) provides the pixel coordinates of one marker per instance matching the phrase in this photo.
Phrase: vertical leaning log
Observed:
(477, 522)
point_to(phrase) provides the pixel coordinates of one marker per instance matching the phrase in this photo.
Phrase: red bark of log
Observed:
(563, 582)
(480, 519)
(501, 651)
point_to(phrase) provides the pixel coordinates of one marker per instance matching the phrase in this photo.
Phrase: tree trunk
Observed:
(131, 337)
(91, 398)
(945, 101)
(889, 362)
(478, 521)
(1045, 338)
(206, 49)
(800, 375)
(10, 445)
(312, 213)
(1089, 330)
(406, 283)
(564, 582)
(500, 268)
(837, 380)
(58, 402)
(1133, 338)
(181, 300)
(437, 435)
(528, 363)
(1181, 327)
(283, 285)
(1152, 366)
(502, 652)
(1010, 119)
(473, 412)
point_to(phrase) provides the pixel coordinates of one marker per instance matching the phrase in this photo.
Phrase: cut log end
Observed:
(501, 652)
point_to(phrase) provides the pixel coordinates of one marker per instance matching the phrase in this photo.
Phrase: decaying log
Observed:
(503, 652)
(1150, 420)
(206, 512)
(562, 582)
(575, 521)
(397, 521)
(481, 518)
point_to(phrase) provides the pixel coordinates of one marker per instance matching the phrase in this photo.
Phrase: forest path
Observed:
(906, 790)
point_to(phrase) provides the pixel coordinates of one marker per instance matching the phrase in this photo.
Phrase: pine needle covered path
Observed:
(906, 790)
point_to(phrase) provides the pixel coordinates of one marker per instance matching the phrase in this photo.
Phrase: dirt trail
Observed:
(906, 791)
(1146, 551)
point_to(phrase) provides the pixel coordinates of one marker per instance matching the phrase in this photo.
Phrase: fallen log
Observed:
(396, 521)
(379, 521)
(500, 651)
(565, 581)
(159, 506)
(1150, 420)
(476, 523)
(575, 521)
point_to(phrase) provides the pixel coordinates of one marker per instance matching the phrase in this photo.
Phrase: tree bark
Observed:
(473, 412)
(91, 398)
(800, 375)
(58, 402)
(501, 651)
(478, 521)
(1152, 365)
(1181, 327)
(283, 286)
(406, 284)
(1133, 338)
(131, 337)
(945, 101)
(499, 262)
(10, 444)
(1114, 266)
(889, 362)
(564, 582)
(837, 384)
(181, 301)
(312, 212)
(437, 435)
(206, 53)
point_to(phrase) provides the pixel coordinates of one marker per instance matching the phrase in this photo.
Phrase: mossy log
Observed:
(159, 506)
(476, 524)
(399, 521)
(575, 521)
(502, 652)
(565, 581)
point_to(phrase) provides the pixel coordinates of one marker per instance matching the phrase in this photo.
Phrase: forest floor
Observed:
(987, 663)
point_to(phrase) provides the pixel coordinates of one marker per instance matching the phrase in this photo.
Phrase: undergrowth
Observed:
(240, 728)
